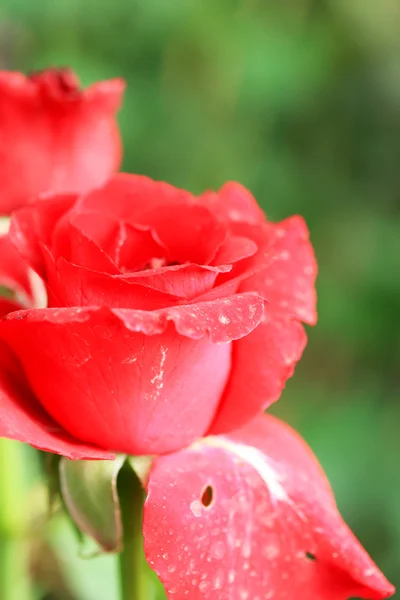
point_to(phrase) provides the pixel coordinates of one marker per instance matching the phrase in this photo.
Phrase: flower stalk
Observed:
(134, 580)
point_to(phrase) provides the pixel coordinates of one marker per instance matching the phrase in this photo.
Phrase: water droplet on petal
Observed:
(231, 576)
(196, 508)
(204, 586)
(218, 550)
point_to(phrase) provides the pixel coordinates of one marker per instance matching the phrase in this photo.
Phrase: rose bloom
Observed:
(169, 316)
(53, 136)
(172, 322)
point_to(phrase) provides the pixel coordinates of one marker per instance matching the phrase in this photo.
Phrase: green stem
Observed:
(135, 583)
(15, 582)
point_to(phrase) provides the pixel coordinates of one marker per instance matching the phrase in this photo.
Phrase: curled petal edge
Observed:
(224, 320)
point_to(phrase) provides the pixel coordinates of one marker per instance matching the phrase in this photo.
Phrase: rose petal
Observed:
(127, 196)
(125, 387)
(241, 270)
(32, 227)
(77, 247)
(72, 285)
(224, 320)
(128, 248)
(55, 137)
(251, 516)
(126, 372)
(188, 233)
(23, 419)
(182, 281)
(262, 362)
(233, 203)
(14, 273)
(288, 281)
(138, 248)
(233, 249)
(100, 229)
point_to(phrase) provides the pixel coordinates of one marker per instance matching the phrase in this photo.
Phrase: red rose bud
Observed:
(55, 137)
(89, 490)
(91, 496)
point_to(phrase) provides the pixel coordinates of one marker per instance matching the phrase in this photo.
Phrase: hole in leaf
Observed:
(310, 556)
(207, 496)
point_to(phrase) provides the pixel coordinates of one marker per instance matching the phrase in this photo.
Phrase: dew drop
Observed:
(218, 550)
(204, 586)
(219, 581)
(270, 552)
(196, 508)
(246, 549)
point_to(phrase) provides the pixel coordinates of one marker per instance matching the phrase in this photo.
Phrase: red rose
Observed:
(54, 136)
(171, 318)
(156, 332)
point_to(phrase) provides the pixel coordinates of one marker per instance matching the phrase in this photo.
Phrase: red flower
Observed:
(156, 333)
(55, 137)
(171, 318)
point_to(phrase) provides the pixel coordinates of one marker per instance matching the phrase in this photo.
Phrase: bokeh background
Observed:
(300, 101)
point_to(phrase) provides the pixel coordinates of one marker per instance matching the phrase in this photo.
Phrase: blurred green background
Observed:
(300, 101)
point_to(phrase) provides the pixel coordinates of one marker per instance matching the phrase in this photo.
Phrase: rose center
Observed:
(158, 263)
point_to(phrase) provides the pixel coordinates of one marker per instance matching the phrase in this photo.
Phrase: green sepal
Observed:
(89, 492)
